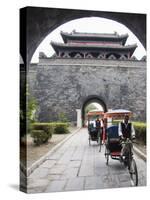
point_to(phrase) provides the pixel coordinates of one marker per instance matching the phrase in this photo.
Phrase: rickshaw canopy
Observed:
(117, 114)
(95, 113)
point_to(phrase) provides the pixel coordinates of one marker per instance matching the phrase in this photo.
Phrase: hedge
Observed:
(61, 128)
(46, 130)
(39, 136)
(140, 131)
(46, 127)
(40, 130)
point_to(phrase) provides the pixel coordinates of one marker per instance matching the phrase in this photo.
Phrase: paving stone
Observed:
(48, 163)
(66, 157)
(40, 172)
(51, 177)
(57, 169)
(74, 163)
(31, 191)
(124, 177)
(101, 171)
(110, 181)
(38, 184)
(125, 184)
(75, 184)
(78, 154)
(55, 156)
(56, 186)
(70, 173)
(95, 182)
(36, 190)
(86, 170)
(78, 166)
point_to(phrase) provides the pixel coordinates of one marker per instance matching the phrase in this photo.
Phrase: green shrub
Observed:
(47, 128)
(140, 131)
(42, 132)
(62, 117)
(61, 128)
(39, 136)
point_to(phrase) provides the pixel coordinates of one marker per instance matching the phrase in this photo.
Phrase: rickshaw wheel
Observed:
(133, 172)
(100, 144)
(107, 155)
(89, 141)
(107, 159)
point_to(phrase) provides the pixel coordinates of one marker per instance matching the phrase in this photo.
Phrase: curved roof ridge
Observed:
(91, 45)
(115, 34)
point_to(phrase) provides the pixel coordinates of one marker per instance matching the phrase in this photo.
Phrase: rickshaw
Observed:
(94, 135)
(113, 144)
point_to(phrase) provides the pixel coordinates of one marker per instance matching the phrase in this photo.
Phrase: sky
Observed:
(98, 106)
(90, 25)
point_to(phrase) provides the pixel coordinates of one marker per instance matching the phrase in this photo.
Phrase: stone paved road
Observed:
(78, 166)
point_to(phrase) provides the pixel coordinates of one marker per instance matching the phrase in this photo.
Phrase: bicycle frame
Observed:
(129, 154)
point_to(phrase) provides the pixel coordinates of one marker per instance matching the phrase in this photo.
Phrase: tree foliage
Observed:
(28, 107)
(89, 108)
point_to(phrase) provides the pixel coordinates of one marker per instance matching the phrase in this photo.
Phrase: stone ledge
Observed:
(92, 62)
(140, 153)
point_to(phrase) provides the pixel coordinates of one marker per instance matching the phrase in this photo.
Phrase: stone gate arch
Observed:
(92, 99)
(36, 23)
(115, 80)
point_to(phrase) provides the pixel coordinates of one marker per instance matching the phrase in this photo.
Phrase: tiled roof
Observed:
(96, 35)
(100, 46)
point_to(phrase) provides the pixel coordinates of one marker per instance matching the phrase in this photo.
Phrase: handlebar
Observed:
(127, 140)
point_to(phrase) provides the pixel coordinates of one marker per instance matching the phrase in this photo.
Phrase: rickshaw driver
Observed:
(98, 126)
(126, 131)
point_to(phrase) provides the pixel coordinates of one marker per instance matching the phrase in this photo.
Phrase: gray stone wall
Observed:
(62, 85)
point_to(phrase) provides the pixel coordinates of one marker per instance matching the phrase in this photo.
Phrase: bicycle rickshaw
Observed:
(113, 145)
(94, 135)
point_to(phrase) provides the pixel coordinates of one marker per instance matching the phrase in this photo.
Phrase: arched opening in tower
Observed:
(92, 104)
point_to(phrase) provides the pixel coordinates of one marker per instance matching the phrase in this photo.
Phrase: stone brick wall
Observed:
(62, 85)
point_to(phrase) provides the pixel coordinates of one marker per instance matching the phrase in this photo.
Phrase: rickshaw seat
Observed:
(113, 139)
(116, 153)
(112, 132)
(93, 132)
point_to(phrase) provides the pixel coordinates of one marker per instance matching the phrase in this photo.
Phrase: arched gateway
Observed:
(36, 23)
(92, 99)
(66, 83)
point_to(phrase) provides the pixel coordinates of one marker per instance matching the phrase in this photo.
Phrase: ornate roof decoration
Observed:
(112, 57)
(78, 56)
(144, 58)
(123, 57)
(66, 55)
(42, 55)
(133, 58)
(89, 55)
(94, 36)
(94, 45)
(101, 56)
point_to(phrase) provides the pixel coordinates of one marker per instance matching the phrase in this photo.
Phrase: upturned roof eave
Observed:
(57, 46)
(112, 37)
